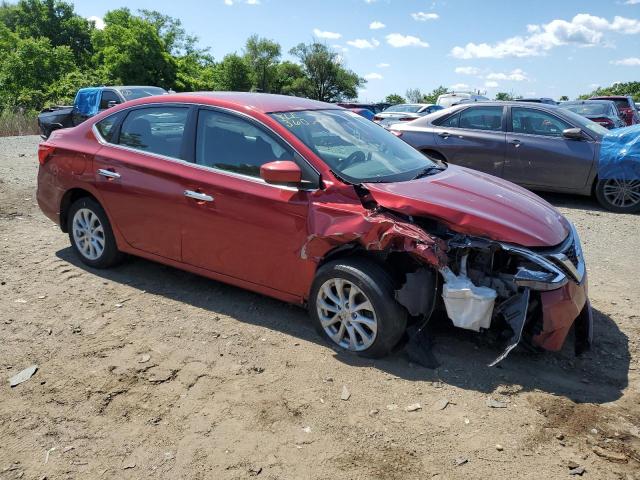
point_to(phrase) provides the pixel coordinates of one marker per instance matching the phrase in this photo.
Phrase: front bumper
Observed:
(560, 309)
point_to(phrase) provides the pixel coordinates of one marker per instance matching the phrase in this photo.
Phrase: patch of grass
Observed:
(18, 123)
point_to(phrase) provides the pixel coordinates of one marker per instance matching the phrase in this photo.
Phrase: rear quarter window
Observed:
(106, 127)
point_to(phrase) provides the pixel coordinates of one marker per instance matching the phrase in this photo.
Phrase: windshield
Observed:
(585, 122)
(356, 149)
(588, 108)
(140, 92)
(404, 108)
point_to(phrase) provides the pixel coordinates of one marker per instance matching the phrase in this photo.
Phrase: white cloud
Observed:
(97, 21)
(459, 86)
(398, 40)
(383, 65)
(376, 25)
(516, 75)
(228, 2)
(363, 43)
(583, 30)
(340, 48)
(491, 84)
(628, 62)
(373, 76)
(423, 17)
(325, 34)
(632, 2)
(253, 2)
(467, 70)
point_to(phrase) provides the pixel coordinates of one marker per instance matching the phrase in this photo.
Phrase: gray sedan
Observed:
(538, 146)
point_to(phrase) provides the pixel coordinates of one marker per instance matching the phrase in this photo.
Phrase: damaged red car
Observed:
(312, 204)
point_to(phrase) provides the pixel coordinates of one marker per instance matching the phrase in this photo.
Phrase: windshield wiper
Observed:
(432, 170)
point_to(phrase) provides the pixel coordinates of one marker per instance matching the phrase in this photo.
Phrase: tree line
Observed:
(48, 51)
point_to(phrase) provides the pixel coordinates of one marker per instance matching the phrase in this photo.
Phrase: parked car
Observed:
(363, 112)
(373, 107)
(546, 100)
(538, 146)
(404, 112)
(308, 203)
(603, 112)
(625, 105)
(456, 98)
(88, 102)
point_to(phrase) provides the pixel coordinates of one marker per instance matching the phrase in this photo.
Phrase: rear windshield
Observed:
(588, 108)
(141, 92)
(404, 108)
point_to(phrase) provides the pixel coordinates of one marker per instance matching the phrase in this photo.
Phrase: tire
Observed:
(371, 283)
(95, 246)
(605, 194)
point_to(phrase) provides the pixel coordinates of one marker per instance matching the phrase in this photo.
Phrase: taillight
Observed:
(397, 133)
(376, 118)
(605, 122)
(406, 119)
(44, 152)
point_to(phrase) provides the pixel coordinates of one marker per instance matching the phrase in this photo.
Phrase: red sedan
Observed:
(314, 205)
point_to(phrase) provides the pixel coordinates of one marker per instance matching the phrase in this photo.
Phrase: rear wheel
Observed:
(353, 306)
(622, 196)
(91, 235)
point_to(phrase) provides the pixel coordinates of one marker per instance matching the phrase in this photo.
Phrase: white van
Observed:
(454, 98)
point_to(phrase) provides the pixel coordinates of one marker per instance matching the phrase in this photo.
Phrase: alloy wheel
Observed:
(346, 314)
(622, 193)
(88, 234)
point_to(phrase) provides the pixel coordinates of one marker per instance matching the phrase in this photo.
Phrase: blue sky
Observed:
(543, 48)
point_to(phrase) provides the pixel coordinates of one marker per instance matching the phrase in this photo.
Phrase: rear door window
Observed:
(108, 96)
(482, 118)
(537, 122)
(106, 127)
(157, 130)
(451, 121)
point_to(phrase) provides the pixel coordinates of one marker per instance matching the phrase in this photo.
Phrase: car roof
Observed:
(580, 102)
(610, 97)
(501, 103)
(258, 102)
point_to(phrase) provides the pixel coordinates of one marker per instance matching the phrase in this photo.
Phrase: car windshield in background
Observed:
(588, 108)
(585, 122)
(404, 108)
(355, 148)
(133, 93)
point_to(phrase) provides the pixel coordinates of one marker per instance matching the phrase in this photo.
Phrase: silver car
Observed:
(404, 112)
(541, 147)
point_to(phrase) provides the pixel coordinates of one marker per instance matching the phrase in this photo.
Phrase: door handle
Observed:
(444, 134)
(516, 143)
(202, 197)
(108, 173)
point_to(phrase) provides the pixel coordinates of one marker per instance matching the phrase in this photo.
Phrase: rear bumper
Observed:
(561, 308)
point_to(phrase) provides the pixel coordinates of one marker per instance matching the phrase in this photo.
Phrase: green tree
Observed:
(627, 88)
(51, 19)
(289, 79)
(262, 56)
(394, 99)
(327, 79)
(504, 96)
(564, 98)
(29, 70)
(232, 74)
(414, 95)
(433, 96)
(132, 51)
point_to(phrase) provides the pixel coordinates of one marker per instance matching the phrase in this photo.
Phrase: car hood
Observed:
(397, 114)
(474, 203)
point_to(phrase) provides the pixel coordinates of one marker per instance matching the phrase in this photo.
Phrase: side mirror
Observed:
(281, 171)
(573, 133)
(111, 103)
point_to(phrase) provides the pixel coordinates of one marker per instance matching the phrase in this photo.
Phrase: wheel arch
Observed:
(69, 198)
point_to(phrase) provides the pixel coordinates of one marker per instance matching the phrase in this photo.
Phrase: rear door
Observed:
(138, 172)
(538, 155)
(237, 224)
(475, 138)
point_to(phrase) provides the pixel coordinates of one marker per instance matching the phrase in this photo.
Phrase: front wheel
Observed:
(621, 196)
(352, 304)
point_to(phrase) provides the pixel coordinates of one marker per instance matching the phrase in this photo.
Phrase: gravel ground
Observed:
(145, 371)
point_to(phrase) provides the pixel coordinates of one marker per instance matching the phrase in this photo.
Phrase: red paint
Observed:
(281, 171)
(474, 203)
(270, 239)
(559, 310)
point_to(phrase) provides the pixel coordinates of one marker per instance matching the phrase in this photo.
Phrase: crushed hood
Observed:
(474, 203)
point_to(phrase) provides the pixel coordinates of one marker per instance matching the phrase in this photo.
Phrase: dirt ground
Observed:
(145, 371)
